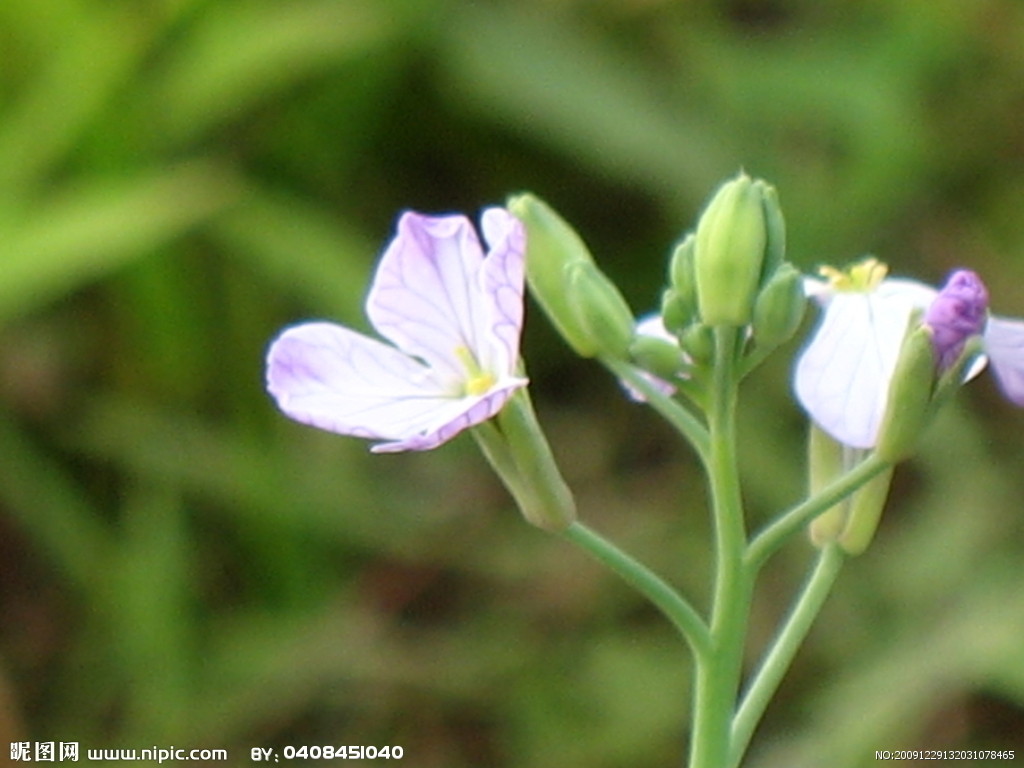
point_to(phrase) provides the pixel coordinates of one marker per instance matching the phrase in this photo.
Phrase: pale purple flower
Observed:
(842, 376)
(453, 317)
(957, 313)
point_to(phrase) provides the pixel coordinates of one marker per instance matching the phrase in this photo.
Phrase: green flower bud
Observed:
(775, 229)
(779, 308)
(681, 272)
(676, 312)
(909, 408)
(551, 246)
(658, 356)
(730, 251)
(698, 341)
(600, 311)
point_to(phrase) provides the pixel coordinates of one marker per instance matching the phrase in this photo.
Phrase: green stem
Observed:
(672, 410)
(718, 678)
(653, 587)
(773, 537)
(784, 649)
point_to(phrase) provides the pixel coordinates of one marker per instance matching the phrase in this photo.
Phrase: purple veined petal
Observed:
(1004, 345)
(452, 418)
(426, 296)
(333, 378)
(842, 377)
(502, 278)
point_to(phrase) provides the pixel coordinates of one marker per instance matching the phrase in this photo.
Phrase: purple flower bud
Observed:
(958, 312)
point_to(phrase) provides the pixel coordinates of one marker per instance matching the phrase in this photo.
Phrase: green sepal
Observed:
(824, 465)
(909, 408)
(865, 511)
(516, 448)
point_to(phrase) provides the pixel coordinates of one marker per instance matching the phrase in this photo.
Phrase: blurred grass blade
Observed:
(51, 510)
(304, 251)
(240, 54)
(152, 591)
(94, 55)
(97, 227)
(545, 76)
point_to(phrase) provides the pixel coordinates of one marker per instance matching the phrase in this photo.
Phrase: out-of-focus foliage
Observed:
(180, 178)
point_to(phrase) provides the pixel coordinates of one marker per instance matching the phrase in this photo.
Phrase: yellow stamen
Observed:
(479, 381)
(863, 276)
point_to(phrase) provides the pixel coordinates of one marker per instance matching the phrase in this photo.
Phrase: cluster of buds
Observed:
(732, 272)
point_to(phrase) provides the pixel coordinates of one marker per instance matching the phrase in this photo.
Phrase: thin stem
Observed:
(772, 537)
(672, 410)
(717, 681)
(784, 649)
(653, 587)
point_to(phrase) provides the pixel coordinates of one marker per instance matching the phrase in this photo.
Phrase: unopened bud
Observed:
(676, 312)
(698, 341)
(730, 249)
(659, 356)
(551, 246)
(775, 229)
(601, 313)
(779, 308)
(681, 273)
(957, 313)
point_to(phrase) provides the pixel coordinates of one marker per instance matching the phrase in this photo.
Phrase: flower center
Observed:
(862, 277)
(478, 381)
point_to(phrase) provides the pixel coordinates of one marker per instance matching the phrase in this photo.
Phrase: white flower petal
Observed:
(425, 296)
(653, 325)
(911, 293)
(452, 417)
(842, 377)
(455, 318)
(1004, 345)
(503, 277)
(339, 380)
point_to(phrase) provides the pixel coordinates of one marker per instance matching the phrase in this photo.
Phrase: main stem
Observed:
(718, 674)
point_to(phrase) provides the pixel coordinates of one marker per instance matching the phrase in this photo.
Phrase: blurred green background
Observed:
(180, 565)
